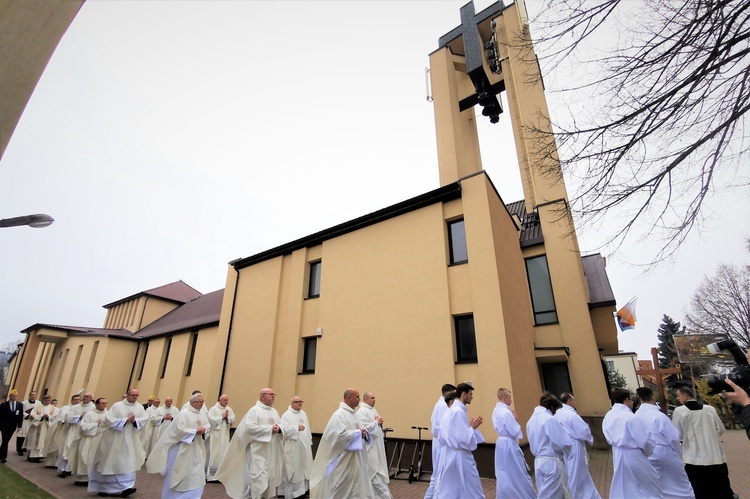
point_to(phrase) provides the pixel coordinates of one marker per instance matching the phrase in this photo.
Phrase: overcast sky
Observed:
(168, 138)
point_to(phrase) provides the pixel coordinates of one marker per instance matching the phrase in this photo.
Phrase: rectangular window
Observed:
(193, 344)
(143, 361)
(611, 365)
(556, 378)
(165, 360)
(540, 285)
(313, 290)
(308, 360)
(457, 242)
(466, 341)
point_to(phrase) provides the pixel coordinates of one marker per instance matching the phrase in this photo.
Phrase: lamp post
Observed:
(36, 221)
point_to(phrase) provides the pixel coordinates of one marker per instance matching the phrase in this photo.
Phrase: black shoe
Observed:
(2, 460)
(81, 484)
(128, 492)
(103, 494)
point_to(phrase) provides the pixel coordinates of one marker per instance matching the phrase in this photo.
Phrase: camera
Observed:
(740, 375)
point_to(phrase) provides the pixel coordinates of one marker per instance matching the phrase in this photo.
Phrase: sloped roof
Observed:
(76, 330)
(600, 291)
(177, 292)
(200, 312)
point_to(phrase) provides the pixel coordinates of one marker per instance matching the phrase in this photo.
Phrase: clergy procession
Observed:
(270, 455)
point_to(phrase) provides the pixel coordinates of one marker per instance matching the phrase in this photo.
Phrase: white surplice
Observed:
(339, 470)
(72, 446)
(218, 441)
(377, 464)
(254, 457)
(119, 453)
(549, 442)
(42, 418)
(634, 476)
(458, 475)
(580, 484)
(160, 423)
(298, 457)
(511, 473)
(180, 455)
(437, 414)
(91, 432)
(54, 438)
(666, 458)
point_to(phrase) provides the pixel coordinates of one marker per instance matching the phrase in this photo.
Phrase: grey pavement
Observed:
(736, 444)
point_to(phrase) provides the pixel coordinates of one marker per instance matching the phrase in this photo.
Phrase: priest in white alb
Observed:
(511, 471)
(295, 479)
(163, 417)
(580, 483)
(42, 417)
(339, 470)
(667, 456)
(437, 414)
(72, 449)
(148, 430)
(221, 417)
(120, 453)
(377, 464)
(180, 453)
(459, 437)
(252, 465)
(549, 441)
(633, 476)
(91, 433)
(56, 438)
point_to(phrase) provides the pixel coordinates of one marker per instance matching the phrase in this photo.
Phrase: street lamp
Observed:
(36, 221)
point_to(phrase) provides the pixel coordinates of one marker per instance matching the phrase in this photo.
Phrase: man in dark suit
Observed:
(11, 418)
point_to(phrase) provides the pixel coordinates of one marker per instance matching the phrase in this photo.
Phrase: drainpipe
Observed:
(229, 333)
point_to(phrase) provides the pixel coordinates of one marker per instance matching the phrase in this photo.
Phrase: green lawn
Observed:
(14, 486)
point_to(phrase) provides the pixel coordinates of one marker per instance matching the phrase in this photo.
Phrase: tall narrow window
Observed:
(556, 378)
(457, 242)
(165, 360)
(308, 358)
(143, 361)
(193, 344)
(466, 341)
(313, 290)
(540, 285)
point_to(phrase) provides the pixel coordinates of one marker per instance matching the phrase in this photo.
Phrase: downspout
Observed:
(132, 369)
(229, 333)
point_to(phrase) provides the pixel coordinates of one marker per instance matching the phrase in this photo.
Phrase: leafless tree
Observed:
(722, 305)
(657, 114)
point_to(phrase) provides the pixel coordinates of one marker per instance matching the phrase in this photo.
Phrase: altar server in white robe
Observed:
(91, 433)
(549, 442)
(634, 476)
(72, 449)
(221, 417)
(437, 414)
(180, 453)
(252, 465)
(459, 437)
(56, 436)
(295, 480)
(667, 456)
(511, 471)
(339, 470)
(377, 464)
(42, 418)
(120, 453)
(580, 484)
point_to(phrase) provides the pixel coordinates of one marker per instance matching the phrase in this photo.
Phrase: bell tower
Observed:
(490, 53)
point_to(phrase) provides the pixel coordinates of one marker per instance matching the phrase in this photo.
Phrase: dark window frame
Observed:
(143, 361)
(461, 356)
(538, 314)
(306, 353)
(313, 282)
(452, 243)
(166, 356)
(193, 345)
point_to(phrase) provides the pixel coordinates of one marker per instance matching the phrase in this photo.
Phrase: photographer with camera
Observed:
(734, 386)
(741, 398)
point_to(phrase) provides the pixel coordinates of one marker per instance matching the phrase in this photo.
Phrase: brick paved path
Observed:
(736, 444)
